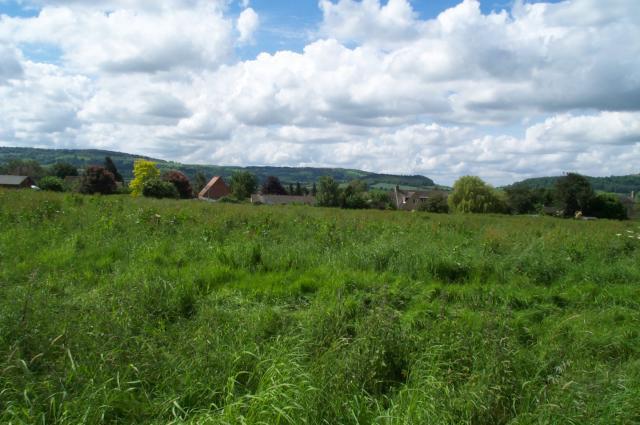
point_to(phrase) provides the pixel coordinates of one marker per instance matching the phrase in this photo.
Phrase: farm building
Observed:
(215, 189)
(282, 199)
(16, 182)
(409, 200)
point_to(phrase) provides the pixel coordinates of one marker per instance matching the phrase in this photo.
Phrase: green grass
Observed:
(115, 310)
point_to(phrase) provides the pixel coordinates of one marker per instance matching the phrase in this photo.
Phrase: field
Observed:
(114, 310)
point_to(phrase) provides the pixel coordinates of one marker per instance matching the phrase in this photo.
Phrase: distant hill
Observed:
(614, 184)
(288, 175)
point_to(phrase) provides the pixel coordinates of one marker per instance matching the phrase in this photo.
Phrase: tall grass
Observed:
(115, 310)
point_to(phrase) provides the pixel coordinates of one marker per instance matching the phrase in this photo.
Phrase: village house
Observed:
(258, 198)
(16, 182)
(409, 200)
(214, 190)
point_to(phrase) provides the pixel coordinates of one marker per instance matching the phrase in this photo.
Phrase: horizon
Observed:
(502, 90)
(436, 183)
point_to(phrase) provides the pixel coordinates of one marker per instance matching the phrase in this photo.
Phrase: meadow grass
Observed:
(115, 310)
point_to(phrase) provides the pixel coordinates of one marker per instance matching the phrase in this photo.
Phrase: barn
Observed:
(214, 190)
(16, 182)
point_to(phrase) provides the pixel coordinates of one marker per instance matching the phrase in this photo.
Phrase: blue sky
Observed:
(440, 88)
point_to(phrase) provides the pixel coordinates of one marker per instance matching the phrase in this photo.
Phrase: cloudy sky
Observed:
(500, 89)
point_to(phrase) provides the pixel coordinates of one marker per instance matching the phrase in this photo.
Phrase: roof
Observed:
(12, 180)
(209, 185)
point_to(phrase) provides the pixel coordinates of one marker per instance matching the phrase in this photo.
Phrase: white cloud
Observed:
(247, 24)
(380, 90)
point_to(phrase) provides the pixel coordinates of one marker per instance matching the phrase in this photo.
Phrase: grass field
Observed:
(115, 310)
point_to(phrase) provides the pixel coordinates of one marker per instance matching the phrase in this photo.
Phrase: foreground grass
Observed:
(115, 310)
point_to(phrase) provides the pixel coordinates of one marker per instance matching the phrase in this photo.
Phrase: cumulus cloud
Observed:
(538, 89)
(247, 24)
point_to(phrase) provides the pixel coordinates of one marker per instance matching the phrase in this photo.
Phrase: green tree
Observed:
(298, 189)
(605, 205)
(143, 171)
(272, 186)
(573, 192)
(23, 167)
(379, 199)
(51, 183)
(98, 179)
(328, 193)
(243, 184)
(472, 195)
(63, 169)
(111, 167)
(157, 188)
(314, 189)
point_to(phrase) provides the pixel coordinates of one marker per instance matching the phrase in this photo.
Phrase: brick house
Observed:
(214, 190)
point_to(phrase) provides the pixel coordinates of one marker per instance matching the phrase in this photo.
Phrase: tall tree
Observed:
(143, 171)
(243, 184)
(111, 167)
(328, 194)
(472, 195)
(298, 189)
(573, 192)
(272, 186)
(63, 169)
(291, 192)
(314, 189)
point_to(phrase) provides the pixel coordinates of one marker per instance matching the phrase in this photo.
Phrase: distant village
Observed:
(572, 196)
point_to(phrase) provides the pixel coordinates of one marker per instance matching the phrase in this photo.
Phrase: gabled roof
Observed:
(12, 180)
(209, 185)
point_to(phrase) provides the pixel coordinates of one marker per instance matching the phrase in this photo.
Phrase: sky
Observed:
(501, 89)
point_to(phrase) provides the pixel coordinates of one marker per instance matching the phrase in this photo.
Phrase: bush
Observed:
(51, 183)
(606, 205)
(181, 182)
(156, 188)
(97, 179)
(435, 204)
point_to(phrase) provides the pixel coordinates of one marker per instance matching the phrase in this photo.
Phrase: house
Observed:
(410, 200)
(16, 182)
(214, 190)
(282, 199)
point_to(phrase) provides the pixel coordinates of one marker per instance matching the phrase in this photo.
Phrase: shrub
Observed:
(156, 188)
(435, 204)
(606, 205)
(97, 179)
(181, 182)
(243, 184)
(51, 183)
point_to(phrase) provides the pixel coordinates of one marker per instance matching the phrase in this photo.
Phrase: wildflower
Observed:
(618, 234)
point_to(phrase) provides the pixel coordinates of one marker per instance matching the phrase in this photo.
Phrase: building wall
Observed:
(218, 190)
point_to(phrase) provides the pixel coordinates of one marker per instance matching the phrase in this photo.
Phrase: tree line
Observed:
(571, 194)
